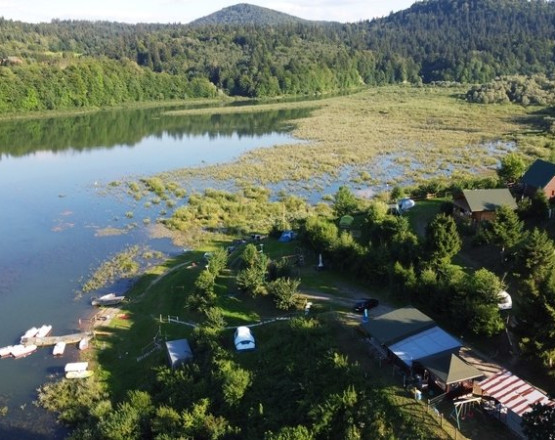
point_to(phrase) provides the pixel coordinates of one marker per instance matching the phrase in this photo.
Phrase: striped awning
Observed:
(513, 392)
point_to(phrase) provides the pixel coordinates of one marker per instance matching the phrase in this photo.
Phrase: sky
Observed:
(185, 11)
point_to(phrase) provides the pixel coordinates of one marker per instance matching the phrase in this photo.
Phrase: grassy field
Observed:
(397, 134)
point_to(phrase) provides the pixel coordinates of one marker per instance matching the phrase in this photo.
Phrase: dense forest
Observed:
(255, 52)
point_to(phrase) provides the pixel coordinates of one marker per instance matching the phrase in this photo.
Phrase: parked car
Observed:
(366, 303)
(243, 339)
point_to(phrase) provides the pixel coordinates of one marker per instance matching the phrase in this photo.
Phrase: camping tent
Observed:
(405, 204)
(287, 236)
(179, 352)
(505, 301)
(346, 221)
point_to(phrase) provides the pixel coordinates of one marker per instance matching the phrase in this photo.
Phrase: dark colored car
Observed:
(367, 303)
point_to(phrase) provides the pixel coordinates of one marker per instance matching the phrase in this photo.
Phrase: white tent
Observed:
(423, 344)
(505, 301)
(179, 352)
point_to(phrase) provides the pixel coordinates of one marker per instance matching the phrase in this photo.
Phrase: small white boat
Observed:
(79, 374)
(6, 351)
(44, 331)
(107, 300)
(31, 333)
(84, 343)
(59, 348)
(76, 366)
(20, 350)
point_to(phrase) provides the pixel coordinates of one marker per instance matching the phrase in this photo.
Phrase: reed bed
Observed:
(422, 132)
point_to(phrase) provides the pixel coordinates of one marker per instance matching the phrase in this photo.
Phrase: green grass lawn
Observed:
(422, 213)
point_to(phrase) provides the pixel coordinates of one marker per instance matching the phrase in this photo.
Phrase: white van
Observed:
(243, 339)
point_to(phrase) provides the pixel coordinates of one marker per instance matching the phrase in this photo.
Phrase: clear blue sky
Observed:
(184, 11)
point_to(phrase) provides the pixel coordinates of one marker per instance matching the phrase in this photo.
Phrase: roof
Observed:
(398, 325)
(426, 343)
(488, 199)
(178, 351)
(514, 393)
(539, 174)
(449, 368)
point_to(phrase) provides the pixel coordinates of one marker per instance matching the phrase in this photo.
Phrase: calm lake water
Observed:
(53, 174)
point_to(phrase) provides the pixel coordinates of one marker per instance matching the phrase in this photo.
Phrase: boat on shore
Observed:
(31, 333)
(76, 366)
(59, 348)
(44, 331)
(107, 300)
(79, 374)
(84, 343)
(20, 350)
(77, 370)
(6, 351)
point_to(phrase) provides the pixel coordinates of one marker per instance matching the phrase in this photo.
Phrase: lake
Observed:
(53, 204)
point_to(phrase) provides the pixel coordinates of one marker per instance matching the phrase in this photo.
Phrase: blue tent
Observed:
(287, 236)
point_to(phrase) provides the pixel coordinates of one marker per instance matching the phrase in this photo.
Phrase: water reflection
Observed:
(111, 128)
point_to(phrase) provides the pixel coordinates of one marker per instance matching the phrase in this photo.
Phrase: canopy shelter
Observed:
(426, 343)
(449, 368)
(515, 397)
(397, 325)
(179, 352)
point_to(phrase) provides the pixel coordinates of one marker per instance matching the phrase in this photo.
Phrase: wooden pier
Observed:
(53, 340)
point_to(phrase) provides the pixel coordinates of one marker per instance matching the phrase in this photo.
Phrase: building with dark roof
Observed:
(540, 176)
(448, 369)
(481, 204)
(392, 327)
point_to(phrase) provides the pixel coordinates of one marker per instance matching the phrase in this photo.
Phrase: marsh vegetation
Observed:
(387, 135)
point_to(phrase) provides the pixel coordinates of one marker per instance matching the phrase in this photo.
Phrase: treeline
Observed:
(91, 83)
(524, 90)
(436, 40)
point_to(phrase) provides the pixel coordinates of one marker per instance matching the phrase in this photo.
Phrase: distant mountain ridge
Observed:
(246, 14)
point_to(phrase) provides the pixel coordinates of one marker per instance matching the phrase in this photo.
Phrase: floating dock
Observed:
(53, 340)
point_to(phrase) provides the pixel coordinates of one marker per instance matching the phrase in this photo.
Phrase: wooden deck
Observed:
(53, 340)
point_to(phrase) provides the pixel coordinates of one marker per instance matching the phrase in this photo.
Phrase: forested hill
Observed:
(68, 64)
(469, 40)
(245, 14)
